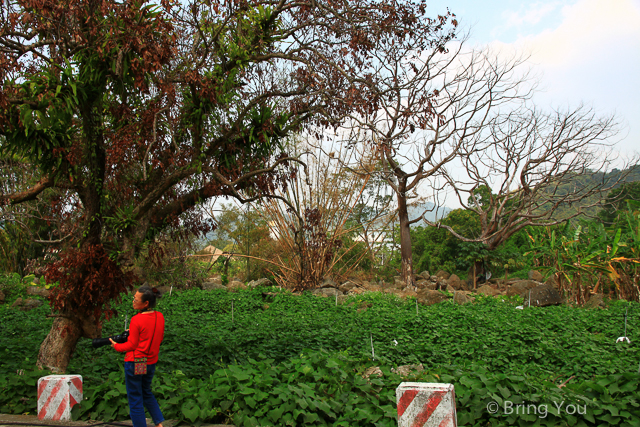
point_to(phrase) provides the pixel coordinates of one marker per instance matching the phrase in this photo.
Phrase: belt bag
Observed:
(140, 363)
(140, 366)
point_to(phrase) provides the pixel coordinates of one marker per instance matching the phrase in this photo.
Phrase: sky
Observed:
(583, 51)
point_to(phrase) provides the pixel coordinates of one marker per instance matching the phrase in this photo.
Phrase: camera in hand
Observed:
(120, 339)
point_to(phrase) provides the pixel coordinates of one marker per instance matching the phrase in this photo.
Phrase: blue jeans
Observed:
(140, 396)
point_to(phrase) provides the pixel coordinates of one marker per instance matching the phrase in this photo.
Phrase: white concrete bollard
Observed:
(426, 405)
(56, 396)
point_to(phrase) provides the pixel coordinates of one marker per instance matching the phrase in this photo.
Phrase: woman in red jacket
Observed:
(145, 335)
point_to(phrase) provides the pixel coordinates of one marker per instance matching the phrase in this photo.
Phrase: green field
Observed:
(267, 357)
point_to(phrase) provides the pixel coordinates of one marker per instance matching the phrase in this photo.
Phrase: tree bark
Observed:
(406, 254)
(58, 347)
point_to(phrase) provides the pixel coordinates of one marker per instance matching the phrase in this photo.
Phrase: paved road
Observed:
(33, 421)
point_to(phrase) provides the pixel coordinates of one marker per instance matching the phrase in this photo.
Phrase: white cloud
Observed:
(590, 29)
(531, 15)
(591, 56)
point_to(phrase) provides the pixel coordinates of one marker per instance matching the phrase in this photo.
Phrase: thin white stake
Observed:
(373, 355)
(416, 306)
(529, 298)
(170, 290)
(336, 298)
(624, 337)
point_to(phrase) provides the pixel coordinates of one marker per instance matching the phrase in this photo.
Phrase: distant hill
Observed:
(631, 174)
(432, 213)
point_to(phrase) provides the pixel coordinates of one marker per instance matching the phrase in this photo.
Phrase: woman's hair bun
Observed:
(150, 294)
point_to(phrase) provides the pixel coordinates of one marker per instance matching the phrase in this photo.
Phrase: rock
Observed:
(398, 283)
(433, 278)
(429, 297)
(535, 275)
(459, 285)
(410, 293)
(406, 370)
(210, 286)
(326, 292)
(425, 275)
(407, 293)
(38, 291)
(499, 283)
(235, 285)
(2, 297)
(375, 288)
(487, 290)
(551, 281)
(544, 296)
(30, 304)
(342, 299)
(521, 287)
(431, 286)
(373, 371)
(17, 302)
(346, 287)
(36, 280)
(212, 283)
(595, 301)
(422, 284)
(448, 288)
(443, 274)
(384, 285)
(328, 283)
(364, 306)
(461, 298)
(260, 282)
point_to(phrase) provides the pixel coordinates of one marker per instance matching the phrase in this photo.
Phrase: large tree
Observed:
(529, 167)
(434, 98)
(135, 112)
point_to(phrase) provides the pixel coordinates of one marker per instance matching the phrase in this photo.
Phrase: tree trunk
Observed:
(406, 254)
(57, 348)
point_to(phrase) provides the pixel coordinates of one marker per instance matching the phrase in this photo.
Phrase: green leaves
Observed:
(302, 360)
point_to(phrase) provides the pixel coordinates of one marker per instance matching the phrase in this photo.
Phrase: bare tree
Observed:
(525, 166)
(431, 105)
(312, 220)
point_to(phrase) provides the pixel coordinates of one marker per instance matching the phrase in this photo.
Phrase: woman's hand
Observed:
(113, 343)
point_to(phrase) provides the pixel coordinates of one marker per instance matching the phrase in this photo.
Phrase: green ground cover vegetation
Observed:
(268, 357)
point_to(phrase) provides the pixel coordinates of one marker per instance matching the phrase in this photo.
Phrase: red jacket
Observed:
(140, 330)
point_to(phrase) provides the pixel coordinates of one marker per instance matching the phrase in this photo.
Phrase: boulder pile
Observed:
(427, 288)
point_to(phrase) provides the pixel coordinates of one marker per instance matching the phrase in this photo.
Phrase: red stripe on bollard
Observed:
(447, 421)
(426, 405)
(63, 407)
(433, 402)
(57, 394)
(52, 395)
(405, 401)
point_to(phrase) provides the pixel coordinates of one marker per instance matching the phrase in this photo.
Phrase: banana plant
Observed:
(582, 255)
